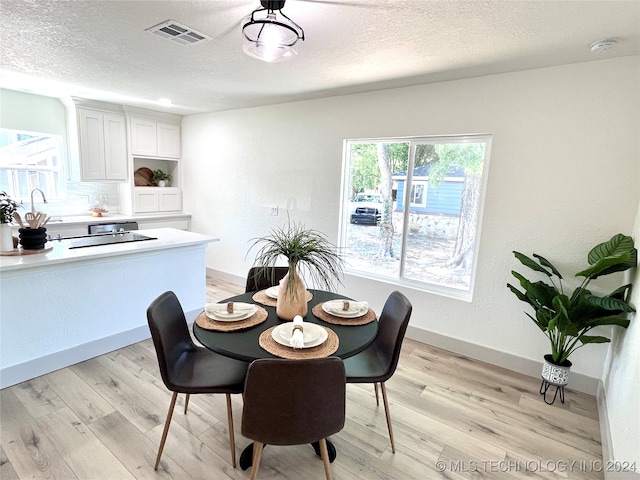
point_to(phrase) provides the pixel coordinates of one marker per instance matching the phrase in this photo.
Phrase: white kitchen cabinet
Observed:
(157, 199)
(169, 199)
(102, 145)
(154, 139)
(143, 137)
(168, 140)
(181, 223)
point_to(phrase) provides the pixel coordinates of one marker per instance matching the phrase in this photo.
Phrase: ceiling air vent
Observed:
(178, 33)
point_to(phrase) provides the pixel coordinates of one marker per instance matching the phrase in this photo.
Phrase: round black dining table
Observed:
(243, 344)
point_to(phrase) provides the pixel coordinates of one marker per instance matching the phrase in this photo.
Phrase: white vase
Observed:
(162, 183)
(6, 237)
(290, 304)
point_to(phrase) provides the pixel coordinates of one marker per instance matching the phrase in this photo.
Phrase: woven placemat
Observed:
(318, 312)
(329, 347)
(210, 324)
(264, 299)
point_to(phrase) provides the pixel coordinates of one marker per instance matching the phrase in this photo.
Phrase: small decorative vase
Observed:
(6, 238)
(289, 305)
(33, 238)
(162, 183)
(555, 374)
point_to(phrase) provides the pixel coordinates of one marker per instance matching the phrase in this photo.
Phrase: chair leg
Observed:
(324, 454)
(232, 438)
(375, 387)
(257, 455)
(186, 403)
(166, 428)
(388, 414)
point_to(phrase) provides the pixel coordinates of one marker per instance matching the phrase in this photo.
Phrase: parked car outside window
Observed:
(367, 208)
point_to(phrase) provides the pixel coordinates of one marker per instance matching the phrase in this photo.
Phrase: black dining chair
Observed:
(378, 362)
(293, 402)
(187, 368)
(260, 278)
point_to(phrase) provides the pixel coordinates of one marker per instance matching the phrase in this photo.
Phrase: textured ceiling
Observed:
(99, 49)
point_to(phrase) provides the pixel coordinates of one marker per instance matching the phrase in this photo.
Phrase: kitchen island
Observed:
(66, 305)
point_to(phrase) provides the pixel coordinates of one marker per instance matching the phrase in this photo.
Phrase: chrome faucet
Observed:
(33, 210)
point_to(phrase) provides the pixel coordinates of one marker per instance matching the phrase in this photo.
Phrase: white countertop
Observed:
(110, 218)
(60, 254)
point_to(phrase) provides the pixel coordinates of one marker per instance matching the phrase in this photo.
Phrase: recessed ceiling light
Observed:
(602, 45)
(166, 102)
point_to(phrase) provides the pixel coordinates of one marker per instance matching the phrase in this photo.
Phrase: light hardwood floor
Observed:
(453, 418)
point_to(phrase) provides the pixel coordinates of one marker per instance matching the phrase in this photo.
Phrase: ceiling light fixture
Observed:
(271, 37)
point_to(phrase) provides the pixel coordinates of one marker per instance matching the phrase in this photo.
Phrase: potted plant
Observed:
(304, 249)
(566, 317)
(161, 178)
(8, 206)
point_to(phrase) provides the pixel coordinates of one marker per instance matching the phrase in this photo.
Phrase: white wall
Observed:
(622, 379)
(33, 113)
(563, 176)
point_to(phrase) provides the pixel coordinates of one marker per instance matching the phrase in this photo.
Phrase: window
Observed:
(31, 160)
(418, 194)
(423, 230)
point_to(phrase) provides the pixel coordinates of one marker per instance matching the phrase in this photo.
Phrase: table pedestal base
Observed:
(246, 458)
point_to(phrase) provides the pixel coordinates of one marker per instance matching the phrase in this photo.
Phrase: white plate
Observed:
(216, 311)
(339, 312)
(272, 292)
(282, 334)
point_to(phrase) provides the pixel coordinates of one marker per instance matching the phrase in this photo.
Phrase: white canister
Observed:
(6, 237)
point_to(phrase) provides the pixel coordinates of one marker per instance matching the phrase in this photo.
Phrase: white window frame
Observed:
(451, 292)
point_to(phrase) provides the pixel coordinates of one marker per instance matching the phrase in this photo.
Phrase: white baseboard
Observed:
(579, 382)
(605, 428)
(608, 457)
(35, 367)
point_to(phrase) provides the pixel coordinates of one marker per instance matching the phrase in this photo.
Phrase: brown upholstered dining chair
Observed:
(293, 402)
(378, 362)
(260, 278)
(187, 368)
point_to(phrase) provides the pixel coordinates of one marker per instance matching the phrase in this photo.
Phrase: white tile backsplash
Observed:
(81, 196)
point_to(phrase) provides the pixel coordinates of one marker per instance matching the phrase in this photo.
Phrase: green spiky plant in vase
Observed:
(305, 249)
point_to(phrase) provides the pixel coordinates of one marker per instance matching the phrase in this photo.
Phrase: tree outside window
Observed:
(424, 230)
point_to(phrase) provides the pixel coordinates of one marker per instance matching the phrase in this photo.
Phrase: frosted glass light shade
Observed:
(271, 40)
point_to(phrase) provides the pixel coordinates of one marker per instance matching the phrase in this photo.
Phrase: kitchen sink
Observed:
(107, 239)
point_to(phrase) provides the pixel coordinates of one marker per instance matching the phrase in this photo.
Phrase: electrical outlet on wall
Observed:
(274, 210)
(84, 198)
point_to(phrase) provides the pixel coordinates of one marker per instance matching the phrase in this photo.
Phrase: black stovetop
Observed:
(108, 239)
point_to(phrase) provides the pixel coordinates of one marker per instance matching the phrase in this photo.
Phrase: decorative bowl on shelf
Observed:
(98, 211)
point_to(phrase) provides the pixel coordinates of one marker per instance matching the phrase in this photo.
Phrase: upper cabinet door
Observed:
(144, 137)
(115, 151)
(91, 132)
(102, 145)
(168, 140)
